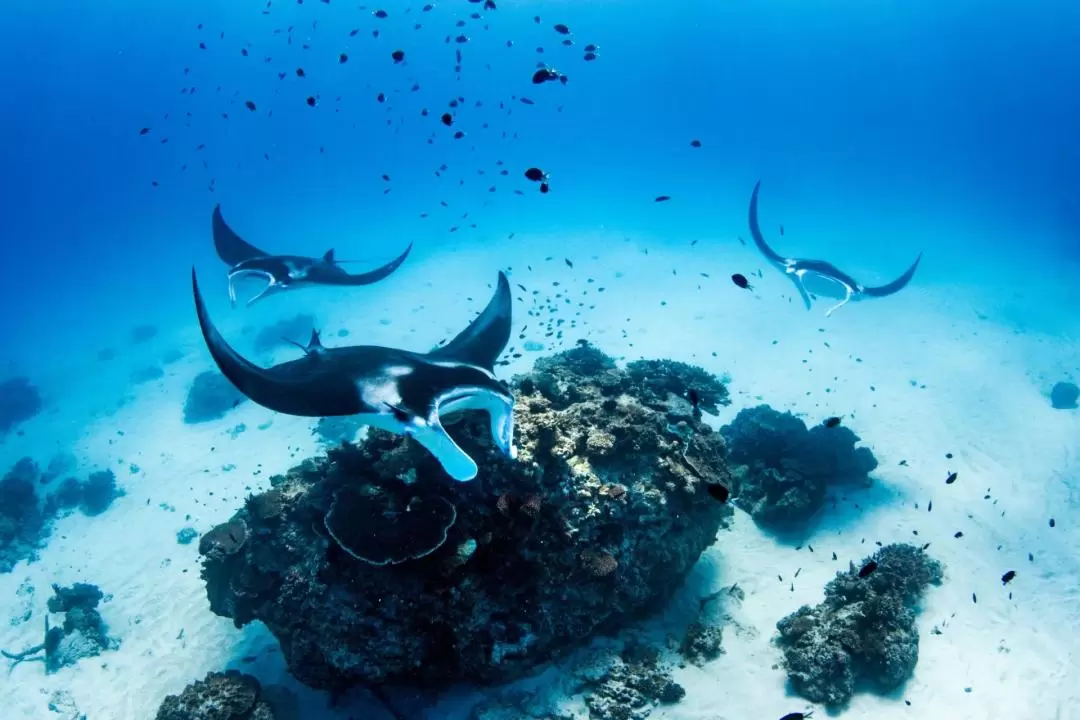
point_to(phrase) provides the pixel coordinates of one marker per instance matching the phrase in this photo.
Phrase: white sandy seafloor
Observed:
(937, 369)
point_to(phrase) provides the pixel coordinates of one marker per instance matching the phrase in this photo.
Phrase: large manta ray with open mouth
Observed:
(396, 390)
(283, 272)
(822, 278)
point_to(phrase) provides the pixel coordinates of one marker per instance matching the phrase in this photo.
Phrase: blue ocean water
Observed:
(879, 130)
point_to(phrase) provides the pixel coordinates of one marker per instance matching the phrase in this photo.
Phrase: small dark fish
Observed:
(930, 506)
(590, 56)
(398, 55)
(719, 492)
(568, 263)
(561, 29)
(1007, 577)
(695, 143)
(958, 534)
(459, 134)
(381, 97)
(740, 280)
(544, 188)
(299, 72)
(868, 569)
(781, 229)
(250, 105)
(663, 198)
(427, 8)
(343, 58)
(311, 100)
(831, 422)
(535, 174)
(144, 131)
(447, 119)
(544, 75)
(1052, 523)
(591, 48)
(489, 5)
(527, 101)
(798, 716)
(693, 397)
(381, 14)
(950, 479)
(974, 599)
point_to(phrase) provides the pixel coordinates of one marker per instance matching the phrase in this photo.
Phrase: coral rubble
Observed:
(230, 695)
(210, 396)
(783, 470)
(19, 401)
(864, 631)
(371, 566)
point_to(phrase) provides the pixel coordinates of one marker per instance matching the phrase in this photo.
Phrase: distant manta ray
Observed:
(396, 390)
(820, 277)
(283, 272)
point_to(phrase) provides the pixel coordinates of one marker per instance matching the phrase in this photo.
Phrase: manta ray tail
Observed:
(484, 340)
(367, 278)
(896, 285)
(231, 248)
(755, 231)
(274, 391)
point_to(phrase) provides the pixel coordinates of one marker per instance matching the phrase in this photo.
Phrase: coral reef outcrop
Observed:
(864, 631)
(19, 401)
(1063, 396)
(26, 523)
(783, 470)
(24, 528)
(370, 565)
(230, 695)
(84, 633)
(210, 396)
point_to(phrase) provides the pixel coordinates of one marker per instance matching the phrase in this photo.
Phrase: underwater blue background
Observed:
(879, 129)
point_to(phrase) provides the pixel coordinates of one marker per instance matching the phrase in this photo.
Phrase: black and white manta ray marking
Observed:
(396, 390)
(822, 278)
(283, 272)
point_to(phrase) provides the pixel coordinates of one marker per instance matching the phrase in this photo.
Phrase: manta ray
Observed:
(396, 390)
(819, 277)
(283, 272)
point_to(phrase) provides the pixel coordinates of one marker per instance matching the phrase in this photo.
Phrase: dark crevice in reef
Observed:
(598, 521)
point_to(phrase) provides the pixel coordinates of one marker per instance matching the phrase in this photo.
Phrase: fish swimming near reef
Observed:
(286, 272)
(819, 277)
(396, 390)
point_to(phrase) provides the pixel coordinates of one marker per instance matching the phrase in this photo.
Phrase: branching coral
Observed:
(574, 538)
(865, 629)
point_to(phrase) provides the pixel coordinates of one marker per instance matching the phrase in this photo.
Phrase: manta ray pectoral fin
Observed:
(755, 231)
(433, 436)
(896, 285)
(230, 247)
(484, 340)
